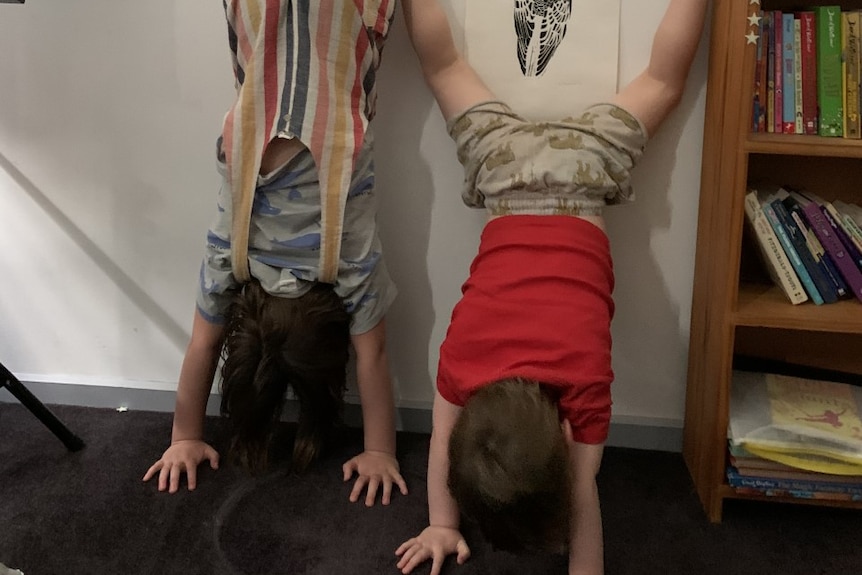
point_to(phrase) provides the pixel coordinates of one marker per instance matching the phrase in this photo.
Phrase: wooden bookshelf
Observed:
(731, 315)
(766, 306)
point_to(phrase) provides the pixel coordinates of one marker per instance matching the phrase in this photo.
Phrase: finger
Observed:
(357, 489)
(347, 468)
(164, 474)
(192, 476)
(401, 483)
(176, 472)
(417, 558)
(152, 470)
(371, 495)
(387, 491)
(409, 551)
(405, 546)
(213, 456)
(437, 563)
(463, 552)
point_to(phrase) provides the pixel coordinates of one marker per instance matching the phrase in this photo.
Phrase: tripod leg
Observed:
(37, 408)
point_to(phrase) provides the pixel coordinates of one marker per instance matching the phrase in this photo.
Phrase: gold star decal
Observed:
(751, 38)
(754, 20)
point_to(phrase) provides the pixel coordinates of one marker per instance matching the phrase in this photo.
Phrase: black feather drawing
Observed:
(540, 26)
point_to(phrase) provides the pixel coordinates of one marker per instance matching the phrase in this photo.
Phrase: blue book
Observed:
(820, 256)
(788, 71)
(735, 479)
(826, 292)
(790, 249)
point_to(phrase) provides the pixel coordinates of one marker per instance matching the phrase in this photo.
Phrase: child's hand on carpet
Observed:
(433, 543)
(182, 457)
(374, 468)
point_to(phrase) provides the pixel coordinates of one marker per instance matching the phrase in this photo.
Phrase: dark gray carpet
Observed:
(88, 513)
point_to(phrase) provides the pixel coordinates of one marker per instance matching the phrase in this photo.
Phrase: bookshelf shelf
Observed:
(765, 306)
(793, 145)
(731, 317)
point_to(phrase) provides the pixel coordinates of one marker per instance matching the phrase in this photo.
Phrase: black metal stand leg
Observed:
(37, 408)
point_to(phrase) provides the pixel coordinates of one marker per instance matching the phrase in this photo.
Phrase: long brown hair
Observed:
(275, 342)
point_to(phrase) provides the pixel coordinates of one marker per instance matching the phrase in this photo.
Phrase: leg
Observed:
(37, 408)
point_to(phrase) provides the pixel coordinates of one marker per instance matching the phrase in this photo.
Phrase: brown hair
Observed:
(509, 467)
(272, 342)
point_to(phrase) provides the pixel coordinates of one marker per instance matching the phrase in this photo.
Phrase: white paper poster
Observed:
(548, 59)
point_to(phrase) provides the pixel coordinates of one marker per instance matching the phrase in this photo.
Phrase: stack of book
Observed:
(794, 437)
(753, 475)
(807, 73)
(811, 248)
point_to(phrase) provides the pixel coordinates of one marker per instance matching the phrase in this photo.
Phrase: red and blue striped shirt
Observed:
(304, 69)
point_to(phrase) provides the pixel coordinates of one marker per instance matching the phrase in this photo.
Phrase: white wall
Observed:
(109, 111)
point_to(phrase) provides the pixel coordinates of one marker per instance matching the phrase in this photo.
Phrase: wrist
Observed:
(381, 453)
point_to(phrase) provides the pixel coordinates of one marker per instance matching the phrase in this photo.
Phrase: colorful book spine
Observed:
(809, 72)
(777, 263)
(758, 120)
(833, 246)
(850, 62)
(830, 80)
(769, 18)
(821, 258)
(798, 124)
(788, 74)
(734, 479)
(815, 281)
(834, 219)
(778, 70)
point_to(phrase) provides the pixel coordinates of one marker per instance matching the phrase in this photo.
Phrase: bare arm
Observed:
(586, 550)
(442, 508)
(376, 466)
(196, 379)
(653, 94)
(454, 83)
(375, 390)
(188, 449)
(441, 537)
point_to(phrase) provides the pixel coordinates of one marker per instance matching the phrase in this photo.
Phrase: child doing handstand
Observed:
(293, 271)
(523, 398)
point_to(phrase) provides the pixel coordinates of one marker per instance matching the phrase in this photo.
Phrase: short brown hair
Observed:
(509, 467)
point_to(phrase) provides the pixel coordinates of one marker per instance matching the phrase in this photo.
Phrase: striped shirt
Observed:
(303, 69)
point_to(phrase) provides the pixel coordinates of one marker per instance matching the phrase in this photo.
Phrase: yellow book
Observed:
(850, 22)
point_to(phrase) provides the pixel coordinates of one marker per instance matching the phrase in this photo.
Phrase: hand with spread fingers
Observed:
(433, 543)
(182, 457)
(374, 469)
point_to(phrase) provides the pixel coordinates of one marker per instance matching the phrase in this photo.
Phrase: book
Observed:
(809, 72)
(758, 118)
(799, 124)
(735, 479)
(834, 246)
(778, 69)
(830, 80)
(808, 424)
(845, 211)
(834, 219)
(769, 19)
(775, 259)
(817, 285)
(757, 467)
(769, 203)
(820, 256)
(850, 63)
(796, 494)
(788, 73)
